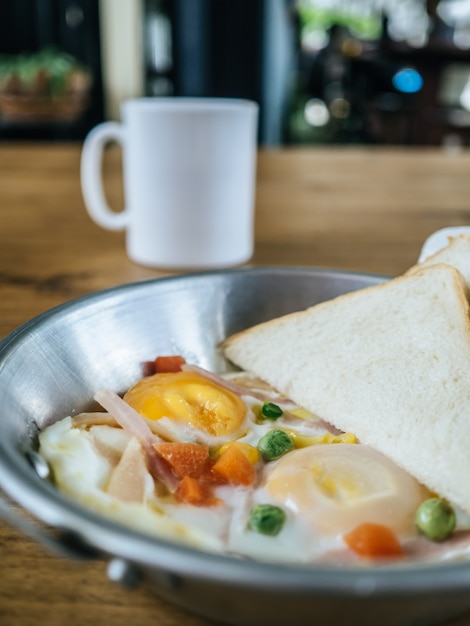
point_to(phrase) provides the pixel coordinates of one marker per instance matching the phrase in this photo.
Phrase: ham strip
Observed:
(244, 390)
(134, 424)
(239, 390)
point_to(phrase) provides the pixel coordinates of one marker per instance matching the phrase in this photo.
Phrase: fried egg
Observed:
(337, 487)
(190, 399)
(325, 489)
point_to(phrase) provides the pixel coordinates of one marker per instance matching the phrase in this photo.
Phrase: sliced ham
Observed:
(132, 422)
(239, 390)
(457, 546)
(95, 418)
(129, 481)
(110, 441)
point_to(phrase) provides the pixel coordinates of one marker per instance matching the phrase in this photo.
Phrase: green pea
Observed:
(435, 518)
(267, 519)
(274, 444)
(271, 411)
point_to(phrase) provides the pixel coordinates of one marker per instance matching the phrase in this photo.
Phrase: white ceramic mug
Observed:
(189, 180)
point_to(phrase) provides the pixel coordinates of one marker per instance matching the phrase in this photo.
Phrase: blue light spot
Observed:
(407, 80)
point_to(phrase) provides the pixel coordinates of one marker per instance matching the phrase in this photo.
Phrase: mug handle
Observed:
(90, 175)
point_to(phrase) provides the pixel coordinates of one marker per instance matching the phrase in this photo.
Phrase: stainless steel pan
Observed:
(51, 366)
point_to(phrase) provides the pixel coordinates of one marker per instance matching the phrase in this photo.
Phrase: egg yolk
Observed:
(190, 398)
(338, 486)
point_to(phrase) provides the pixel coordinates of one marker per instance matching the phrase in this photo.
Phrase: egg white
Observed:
(81, 472)
(83, 461)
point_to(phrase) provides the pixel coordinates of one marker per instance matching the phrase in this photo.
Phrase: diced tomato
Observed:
(373, 541)
(148, 368)
(165, 364)
(185, 459)
(234, 466)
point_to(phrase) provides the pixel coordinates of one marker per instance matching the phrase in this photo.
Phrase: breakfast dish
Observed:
(231, 466)
(340, 441)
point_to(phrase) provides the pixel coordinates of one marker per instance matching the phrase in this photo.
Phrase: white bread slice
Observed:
(456, 253)
(390, 363)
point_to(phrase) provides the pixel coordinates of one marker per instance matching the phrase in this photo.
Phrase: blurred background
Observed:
(323, 71)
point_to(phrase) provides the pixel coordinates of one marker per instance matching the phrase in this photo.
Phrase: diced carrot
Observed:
(193, 492)
(251, 453)
(210, 477)
(234, 466)
(373, 540)
(165, 364)
(185, 459)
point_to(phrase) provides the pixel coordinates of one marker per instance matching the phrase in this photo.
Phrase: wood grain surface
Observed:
(365, 209)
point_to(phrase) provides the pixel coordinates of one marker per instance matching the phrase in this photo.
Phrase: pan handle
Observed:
(65, 544)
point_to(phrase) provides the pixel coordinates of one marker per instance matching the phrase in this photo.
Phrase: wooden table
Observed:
(366, 209)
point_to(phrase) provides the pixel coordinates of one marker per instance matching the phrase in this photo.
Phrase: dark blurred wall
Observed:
(240, 49)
